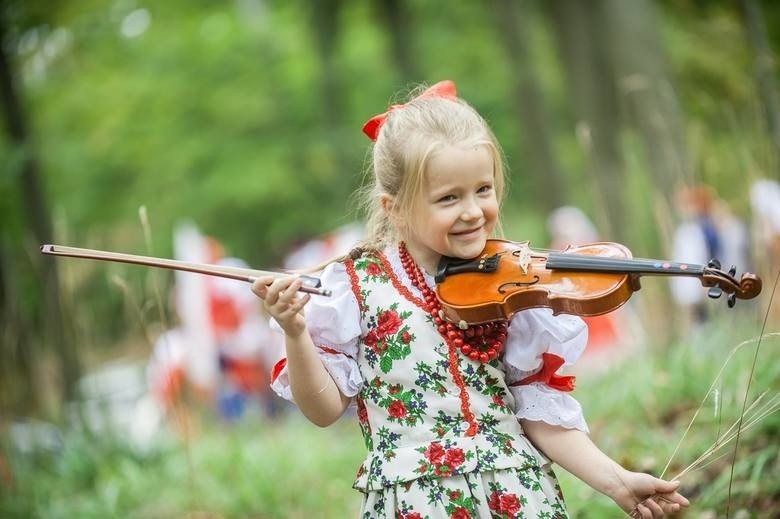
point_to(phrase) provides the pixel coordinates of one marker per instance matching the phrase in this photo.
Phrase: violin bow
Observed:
(310, 284)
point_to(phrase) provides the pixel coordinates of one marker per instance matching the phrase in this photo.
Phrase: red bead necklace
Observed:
(481, 342)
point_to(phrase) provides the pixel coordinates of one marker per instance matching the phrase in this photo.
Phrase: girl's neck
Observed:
(426, 259)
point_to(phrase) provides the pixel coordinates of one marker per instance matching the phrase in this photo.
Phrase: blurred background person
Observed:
(222, 348)
(612, 336)
(708, 230)
(765, 230)
(765, 207)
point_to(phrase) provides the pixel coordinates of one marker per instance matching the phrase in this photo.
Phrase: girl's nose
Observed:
(471, 211)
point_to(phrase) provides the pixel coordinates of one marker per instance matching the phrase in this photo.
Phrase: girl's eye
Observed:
(447, 198)
(485, 189)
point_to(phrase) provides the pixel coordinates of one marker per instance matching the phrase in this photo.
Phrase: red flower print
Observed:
(454, 457)
(397, 409)
(442, 470)
(376, 342)
(372, 269)
(504, 503)
(498, 400)
(362, 413)
(434, 452)
(494, 502)
(371, 339)
(455, 494)
(395, 388)
(406, 337)
(460, 513)
(412, 515)
(509, 504)
(388, 322)
(423, 468)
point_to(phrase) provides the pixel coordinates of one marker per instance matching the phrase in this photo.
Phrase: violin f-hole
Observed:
(502, 290)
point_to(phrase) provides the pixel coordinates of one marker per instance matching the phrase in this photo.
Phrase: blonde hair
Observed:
(406, 141)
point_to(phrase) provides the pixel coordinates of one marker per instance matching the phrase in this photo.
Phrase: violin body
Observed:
(587, 280)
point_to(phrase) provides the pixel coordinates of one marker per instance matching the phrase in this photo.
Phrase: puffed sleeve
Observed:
(334, 326)
(538, 344)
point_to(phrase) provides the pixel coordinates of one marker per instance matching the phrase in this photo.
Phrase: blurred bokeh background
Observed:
(236, 125)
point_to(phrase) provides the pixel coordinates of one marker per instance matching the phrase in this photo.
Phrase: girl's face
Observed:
(457, 209)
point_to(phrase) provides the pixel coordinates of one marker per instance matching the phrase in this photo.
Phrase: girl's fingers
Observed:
(641, 511)
(670, 508)
(671, 501)
(288, 294)
(270, 289)
(282, 299)
(295, 307)
(260, 286)
(655, 509)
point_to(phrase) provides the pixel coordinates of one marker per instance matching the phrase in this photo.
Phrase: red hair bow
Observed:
(444, 89)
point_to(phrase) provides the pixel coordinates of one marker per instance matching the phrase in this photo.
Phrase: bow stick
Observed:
(310, 284)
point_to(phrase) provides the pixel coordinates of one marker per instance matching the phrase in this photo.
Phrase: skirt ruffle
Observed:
(506, 493)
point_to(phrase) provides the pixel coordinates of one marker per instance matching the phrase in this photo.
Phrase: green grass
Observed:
(637, 413)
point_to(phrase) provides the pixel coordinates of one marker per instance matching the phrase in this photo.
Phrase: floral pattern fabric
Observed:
(442, 436)
(501, 494)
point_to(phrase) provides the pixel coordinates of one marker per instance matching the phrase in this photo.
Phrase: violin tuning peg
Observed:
(714, 292)
(733, 271)
(732, 300)
(714, 264)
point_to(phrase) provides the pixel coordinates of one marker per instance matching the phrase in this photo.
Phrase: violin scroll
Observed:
(747, 286)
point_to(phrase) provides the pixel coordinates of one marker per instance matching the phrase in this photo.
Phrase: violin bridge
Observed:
(523, 254)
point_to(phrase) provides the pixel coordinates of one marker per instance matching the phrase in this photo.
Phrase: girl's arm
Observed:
(573, 450)
(313, 389)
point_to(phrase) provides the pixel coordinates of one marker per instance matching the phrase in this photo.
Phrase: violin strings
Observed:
(585, 262)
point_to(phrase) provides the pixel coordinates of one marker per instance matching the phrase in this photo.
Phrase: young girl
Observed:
(457, 422)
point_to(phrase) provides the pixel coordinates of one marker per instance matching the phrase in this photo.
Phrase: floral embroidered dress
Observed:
(442, 430)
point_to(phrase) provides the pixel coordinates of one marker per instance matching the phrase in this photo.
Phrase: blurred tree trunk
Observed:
(325, 26)
(615, 63)
(36, 215)
(765, 68)
(395, 16)
(581, 38)
(17, 353)
(644, 89)
(547, 183)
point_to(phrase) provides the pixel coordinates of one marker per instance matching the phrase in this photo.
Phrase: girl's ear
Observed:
(389, 207)
(387, 202)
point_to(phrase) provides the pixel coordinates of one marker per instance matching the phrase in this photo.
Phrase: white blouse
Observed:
(334, 325)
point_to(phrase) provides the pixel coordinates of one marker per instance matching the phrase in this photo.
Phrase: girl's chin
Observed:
(467, 250)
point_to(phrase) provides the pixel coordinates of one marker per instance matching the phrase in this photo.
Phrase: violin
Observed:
(309, 284)
(586, 280)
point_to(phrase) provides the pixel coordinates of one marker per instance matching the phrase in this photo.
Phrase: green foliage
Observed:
(637, 412)
(254, 470)
(218, 112)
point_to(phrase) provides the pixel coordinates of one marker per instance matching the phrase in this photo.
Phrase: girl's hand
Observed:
(282, 302)
(645, 496)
